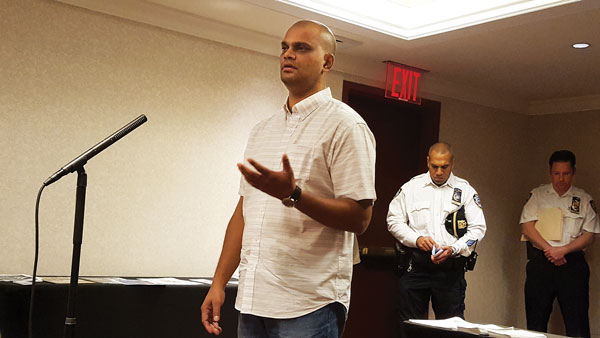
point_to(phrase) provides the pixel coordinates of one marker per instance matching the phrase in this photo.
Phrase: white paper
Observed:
(167, 281)
(457, 323)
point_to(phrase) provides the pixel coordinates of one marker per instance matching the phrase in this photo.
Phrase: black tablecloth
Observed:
(113, 311)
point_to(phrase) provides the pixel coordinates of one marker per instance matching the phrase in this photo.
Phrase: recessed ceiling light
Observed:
(413, 19)
(581, 45)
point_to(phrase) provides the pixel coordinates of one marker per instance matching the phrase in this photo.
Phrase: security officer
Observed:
(437, 217)
(557, 268)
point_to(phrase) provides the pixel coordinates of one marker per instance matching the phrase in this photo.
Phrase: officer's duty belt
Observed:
(421, 261)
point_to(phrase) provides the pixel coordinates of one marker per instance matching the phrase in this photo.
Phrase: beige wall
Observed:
(504, 156)
(578, 132)
(158, 201)
(484, 150)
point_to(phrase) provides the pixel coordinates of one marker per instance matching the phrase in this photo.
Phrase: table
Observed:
(113, 311)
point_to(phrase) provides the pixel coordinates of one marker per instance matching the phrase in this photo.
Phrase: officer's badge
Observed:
(575, 203)
(477, 200)
(398, 192)
(456, 196)
(461, 224)
(593, 205)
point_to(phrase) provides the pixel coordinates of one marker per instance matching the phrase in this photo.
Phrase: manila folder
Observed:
(549, 224)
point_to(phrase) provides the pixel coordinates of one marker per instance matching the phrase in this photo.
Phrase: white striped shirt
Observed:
(290, 264)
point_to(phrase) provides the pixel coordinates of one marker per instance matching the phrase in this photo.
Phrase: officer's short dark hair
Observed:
(562, 156)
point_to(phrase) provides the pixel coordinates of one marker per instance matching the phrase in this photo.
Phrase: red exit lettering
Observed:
(402, 82)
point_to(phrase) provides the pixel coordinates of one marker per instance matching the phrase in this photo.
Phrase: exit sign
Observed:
(402, 82)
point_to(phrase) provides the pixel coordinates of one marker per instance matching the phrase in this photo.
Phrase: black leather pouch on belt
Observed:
(402, 258)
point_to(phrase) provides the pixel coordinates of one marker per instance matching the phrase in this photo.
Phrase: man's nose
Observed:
(288, 54)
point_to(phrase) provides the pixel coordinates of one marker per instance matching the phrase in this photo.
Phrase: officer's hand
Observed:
(560, 262)
(211, 310)
(555, 254)
(441, 256)
(279, 184)
(425, 243)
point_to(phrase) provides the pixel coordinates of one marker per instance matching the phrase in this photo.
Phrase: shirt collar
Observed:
(305, 107)
(451, 182)
(550, 190)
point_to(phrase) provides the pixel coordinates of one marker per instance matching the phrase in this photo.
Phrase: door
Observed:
(403, 133)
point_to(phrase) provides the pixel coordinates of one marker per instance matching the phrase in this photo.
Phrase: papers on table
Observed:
(26, 280)
(167, 281)
(103, 280)
(155, 281)
(549, 224)
(20, 279)
(63, 280)
(207, 281)
(139, 281)
(491, 330)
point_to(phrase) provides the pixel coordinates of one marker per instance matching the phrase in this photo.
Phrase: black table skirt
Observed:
(113, 311)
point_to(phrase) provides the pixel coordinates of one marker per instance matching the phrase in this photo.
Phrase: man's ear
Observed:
(328, 58)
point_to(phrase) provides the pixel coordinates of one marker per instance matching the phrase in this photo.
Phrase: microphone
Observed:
(82, 159)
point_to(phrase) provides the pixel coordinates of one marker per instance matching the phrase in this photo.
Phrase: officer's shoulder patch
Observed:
(477, 200)
(593, 205)
(398, 192)
(529, 197)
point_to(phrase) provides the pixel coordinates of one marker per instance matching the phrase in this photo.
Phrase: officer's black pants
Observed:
(445, 289)
(568, 283)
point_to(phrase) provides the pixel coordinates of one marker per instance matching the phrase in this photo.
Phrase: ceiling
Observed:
(525, 62)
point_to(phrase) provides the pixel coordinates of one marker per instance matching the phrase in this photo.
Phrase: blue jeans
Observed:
(326, 322)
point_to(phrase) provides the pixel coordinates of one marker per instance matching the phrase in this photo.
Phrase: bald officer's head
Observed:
(440, 161)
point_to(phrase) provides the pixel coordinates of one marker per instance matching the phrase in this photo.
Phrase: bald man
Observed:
(438, 219)
(308, 187)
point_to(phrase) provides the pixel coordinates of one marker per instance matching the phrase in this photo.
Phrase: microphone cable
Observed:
(35, 262)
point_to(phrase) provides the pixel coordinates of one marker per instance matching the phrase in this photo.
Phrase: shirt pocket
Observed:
(301, 159)
(420, 214)
(573, 224)
(450, 208)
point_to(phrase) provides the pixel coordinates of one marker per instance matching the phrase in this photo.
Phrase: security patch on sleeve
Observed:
(529, 197)
(398, 192)
(575, 203)
(477, 200)
(457, 196)
(471, 242)
(593, 205)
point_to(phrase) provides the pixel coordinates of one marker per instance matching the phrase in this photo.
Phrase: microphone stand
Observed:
(71, 320)
(77, 165)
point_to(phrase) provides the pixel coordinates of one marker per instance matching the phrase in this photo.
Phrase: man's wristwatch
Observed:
(291, 200)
